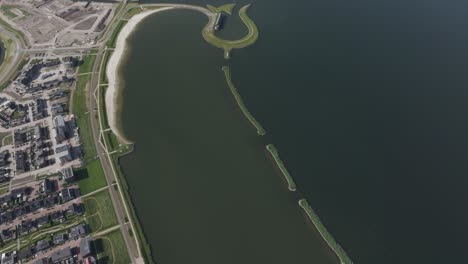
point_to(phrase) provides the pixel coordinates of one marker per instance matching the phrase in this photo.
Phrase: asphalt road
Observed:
(16, 57)
(111, 178)
(116, 197)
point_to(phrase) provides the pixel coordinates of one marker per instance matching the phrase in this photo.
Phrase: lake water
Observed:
(366, 102)
(2, 52)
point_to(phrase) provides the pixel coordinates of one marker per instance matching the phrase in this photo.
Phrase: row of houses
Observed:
(13, 114)
(31, 225)
(38, 152)
(26, 207)
(64, 255)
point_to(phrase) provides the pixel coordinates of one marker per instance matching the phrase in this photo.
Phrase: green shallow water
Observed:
(204, 186)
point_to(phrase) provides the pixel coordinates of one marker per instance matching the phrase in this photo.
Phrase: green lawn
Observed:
(132, 11)
(6, 9)
(102, 73)
(80, 109)
(115, 33)
(100, 212)
(9, 46)
(4, 190)
(7, 138)
(11, 28)
(91, 177)
(111, 248)
(88, 62)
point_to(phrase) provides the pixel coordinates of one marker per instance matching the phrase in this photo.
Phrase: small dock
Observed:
(219, 21)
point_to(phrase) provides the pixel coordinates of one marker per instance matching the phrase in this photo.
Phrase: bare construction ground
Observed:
(87, 24)
(58, 23)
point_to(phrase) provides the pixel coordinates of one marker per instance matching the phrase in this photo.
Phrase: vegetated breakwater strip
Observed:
(112, 93)
(208, 31)
(274, 152)
(227, 72)
(228, 45)
(227, 8)
(339, 251)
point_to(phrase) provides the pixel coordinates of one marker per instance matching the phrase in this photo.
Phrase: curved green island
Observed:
(209, 36)
(274, 153)
(227, 73)
(208, 31)
(228, 45)
(339, 251)
(227, 8)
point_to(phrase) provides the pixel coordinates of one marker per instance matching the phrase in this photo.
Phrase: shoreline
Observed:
(113, 66)
(118, 56)
(115, 85)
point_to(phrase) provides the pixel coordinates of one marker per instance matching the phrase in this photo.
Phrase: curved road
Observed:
(11, 67)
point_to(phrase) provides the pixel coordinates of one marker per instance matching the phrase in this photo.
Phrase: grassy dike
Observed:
(251, 37)
(112, 143)
(9, 53)
(227, 72)
(91, 177)
(227, 8)
(274, 153)
(19, 34)
(112, 40)
(80, 108)
(339, 251)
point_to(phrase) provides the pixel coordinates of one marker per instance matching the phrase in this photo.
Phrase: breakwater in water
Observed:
(274, 153)
(365, 101)
(227, 72)
(315, 219)
(194, 148)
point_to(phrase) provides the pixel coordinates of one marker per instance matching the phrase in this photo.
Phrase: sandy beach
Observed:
(112, 93)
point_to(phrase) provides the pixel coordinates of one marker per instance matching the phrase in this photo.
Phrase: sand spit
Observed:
(113, 90)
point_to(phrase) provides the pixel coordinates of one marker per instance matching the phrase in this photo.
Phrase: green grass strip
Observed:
(87, 65)
(227, 73)
(113, 39)
(339, 251)
(12, 29)
(80, 109)
(6, 9)
(227, 8)
(91, 177)
(274, 152)
(113, 248)
(228, 45)
(100, 212)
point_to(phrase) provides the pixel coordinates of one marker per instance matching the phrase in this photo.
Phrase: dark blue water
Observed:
(2, 53)
(367, 103)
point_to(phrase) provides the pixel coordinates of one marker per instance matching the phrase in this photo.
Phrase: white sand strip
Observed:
(113, 65)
